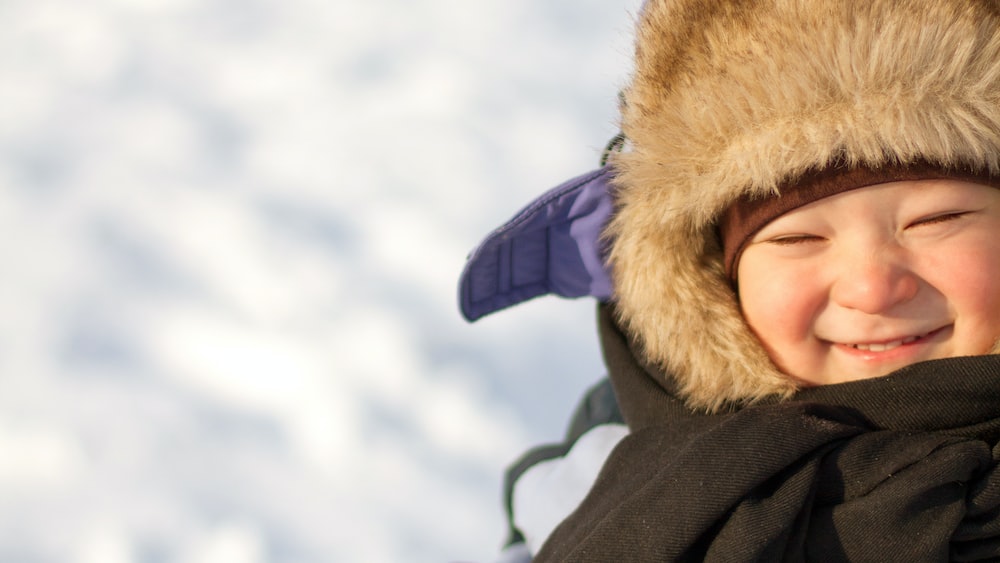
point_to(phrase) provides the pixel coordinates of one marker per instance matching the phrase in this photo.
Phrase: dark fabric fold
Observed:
(898, 468)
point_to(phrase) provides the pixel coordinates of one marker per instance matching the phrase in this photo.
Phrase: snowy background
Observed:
(232, 232)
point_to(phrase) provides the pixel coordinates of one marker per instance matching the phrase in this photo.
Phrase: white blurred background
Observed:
(232, 232)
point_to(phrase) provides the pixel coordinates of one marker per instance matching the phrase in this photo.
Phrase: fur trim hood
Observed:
(738, 97)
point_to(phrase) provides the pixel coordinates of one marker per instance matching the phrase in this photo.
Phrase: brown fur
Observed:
(732, 97)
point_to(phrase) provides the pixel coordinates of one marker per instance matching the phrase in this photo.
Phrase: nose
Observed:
(874, 283)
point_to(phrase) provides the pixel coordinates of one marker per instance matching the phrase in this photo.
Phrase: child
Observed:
(804, 257)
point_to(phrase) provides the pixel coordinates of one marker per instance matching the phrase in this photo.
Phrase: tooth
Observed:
(886, 345)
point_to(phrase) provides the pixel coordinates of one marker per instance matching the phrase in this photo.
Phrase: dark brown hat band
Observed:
(749, 214)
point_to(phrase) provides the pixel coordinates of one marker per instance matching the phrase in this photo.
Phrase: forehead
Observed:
(895, 196)
(747, 221)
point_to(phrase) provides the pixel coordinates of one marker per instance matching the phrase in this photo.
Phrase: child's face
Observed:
(862, 283)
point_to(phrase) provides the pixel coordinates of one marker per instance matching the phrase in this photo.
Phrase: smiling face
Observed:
(865, 282)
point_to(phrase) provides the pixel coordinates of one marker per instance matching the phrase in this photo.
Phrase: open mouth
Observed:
(890, 345)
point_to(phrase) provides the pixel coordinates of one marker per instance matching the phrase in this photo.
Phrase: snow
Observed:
(232, 233)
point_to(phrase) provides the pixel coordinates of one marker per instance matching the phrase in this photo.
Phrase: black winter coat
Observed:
(898, 468)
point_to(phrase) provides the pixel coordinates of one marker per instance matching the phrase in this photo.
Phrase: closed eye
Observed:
(789, 240)
(940, 218)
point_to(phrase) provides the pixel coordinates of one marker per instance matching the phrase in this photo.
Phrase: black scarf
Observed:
(898, 468)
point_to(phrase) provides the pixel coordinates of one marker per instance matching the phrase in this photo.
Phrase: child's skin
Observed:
(862, 283)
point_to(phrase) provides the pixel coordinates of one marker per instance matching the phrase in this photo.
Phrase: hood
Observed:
(739, 98)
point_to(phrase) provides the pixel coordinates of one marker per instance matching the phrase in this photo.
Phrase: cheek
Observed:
(970, 282)
(777, 305)
(780, 302)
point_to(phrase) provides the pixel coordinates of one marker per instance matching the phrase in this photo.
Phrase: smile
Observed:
(891, 344)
